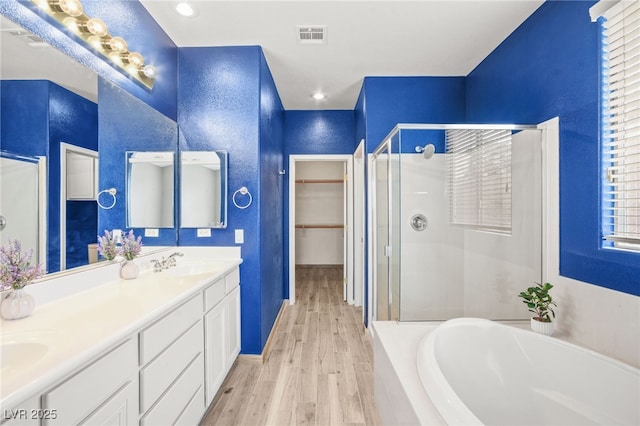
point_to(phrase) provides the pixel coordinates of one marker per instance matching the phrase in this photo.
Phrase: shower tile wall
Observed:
(448, 271)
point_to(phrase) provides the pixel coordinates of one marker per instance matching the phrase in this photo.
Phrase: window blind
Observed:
(621, 124)
(478, 166)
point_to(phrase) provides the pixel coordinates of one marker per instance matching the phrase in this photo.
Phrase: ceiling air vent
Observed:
(311, 34)
(31, 39)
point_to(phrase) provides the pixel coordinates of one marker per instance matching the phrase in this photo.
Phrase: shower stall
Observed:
(456, 221)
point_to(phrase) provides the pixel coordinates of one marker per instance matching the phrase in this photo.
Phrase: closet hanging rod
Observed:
(319, 180)
(320, 226)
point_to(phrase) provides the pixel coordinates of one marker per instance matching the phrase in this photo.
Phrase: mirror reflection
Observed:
(49, 101)
(203, 189)
(150, 189)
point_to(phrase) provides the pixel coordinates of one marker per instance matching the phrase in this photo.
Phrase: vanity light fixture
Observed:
(94, 32)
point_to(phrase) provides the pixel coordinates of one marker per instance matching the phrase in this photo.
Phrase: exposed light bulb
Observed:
(72, 24)
(96, 43)
(96, 27)
(117, 44)
(149, 71)
(135, 59)
(318, 96)
(43, 4)
(115, 57)
(185, 9)
(70, 7)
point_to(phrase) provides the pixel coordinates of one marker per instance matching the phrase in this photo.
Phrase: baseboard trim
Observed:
(261, 358)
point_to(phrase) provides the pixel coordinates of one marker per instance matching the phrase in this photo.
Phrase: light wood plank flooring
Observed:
(319, 370)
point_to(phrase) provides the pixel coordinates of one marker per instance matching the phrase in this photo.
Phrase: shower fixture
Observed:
(427, 150)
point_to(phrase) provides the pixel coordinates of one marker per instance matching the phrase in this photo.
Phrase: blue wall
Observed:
(271, 200)
(128, 124)
(226, 100)
(36, 116)
(24, 116)
(387, 101)
(549, 67)
(74, 120)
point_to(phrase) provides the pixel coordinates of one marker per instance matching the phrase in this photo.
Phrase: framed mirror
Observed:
(150, 189)
(203, 189)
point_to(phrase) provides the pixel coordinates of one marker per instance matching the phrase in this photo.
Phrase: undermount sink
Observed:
(13, 354)
(193, 268)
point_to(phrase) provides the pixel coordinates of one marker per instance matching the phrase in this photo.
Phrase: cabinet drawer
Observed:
(194, 411)
(232, 280)
(120, 410)
(214, 294)
(80, 395)
(178, 397)
(155, 338)
(162, 371)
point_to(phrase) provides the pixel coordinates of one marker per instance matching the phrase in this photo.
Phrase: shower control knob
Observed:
(3, 223)
(419, 222)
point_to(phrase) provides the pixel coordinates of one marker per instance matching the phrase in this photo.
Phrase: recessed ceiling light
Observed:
(318, 96)
(185, 9)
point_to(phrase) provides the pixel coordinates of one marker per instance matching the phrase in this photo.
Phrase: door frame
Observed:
(359, 229)
(293, 159)
(64, 149)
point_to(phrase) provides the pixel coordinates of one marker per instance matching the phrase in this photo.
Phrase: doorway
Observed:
(321, 216)
(78, 205)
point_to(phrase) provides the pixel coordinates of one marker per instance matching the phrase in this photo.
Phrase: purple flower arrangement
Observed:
(129, 246)
(16, 269)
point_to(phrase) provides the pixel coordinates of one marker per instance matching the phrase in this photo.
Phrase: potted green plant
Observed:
(540, 302)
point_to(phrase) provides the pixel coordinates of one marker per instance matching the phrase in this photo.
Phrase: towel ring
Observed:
(110, 191)
(242, 191)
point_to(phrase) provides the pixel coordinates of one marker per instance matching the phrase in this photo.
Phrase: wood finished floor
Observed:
(319, 370)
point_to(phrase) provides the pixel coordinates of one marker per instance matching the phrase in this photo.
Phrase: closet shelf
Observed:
(319, 180)
(320, 226)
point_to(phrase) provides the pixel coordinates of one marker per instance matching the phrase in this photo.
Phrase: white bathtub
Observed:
(478, 371)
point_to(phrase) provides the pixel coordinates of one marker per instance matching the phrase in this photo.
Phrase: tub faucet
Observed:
(171, 260)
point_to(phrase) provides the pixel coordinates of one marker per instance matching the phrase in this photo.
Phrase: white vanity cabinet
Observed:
(104, 391)
(172, 365)
(222, 330)
(167, 370)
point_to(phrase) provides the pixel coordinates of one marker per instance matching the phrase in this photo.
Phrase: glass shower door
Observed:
(381, 230)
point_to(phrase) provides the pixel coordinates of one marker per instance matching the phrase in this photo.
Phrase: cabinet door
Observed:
(232, 343)
(120, 410)
(215, 360)
(81, 177)
(79, 396)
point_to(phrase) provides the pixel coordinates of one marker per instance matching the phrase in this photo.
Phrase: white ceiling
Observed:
(21, 58)
(365, 38)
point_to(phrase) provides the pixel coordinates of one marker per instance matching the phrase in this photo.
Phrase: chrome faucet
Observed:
(171, 260)
(157, 265)
(165, 263)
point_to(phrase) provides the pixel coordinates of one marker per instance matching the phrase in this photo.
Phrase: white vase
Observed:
(129, 270)
(17, 304)
(545, 328)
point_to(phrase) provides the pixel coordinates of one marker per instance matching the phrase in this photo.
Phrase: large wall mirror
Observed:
(50, 101)
(203, 189)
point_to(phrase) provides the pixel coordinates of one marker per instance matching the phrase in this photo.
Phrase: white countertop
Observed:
(80, 327)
